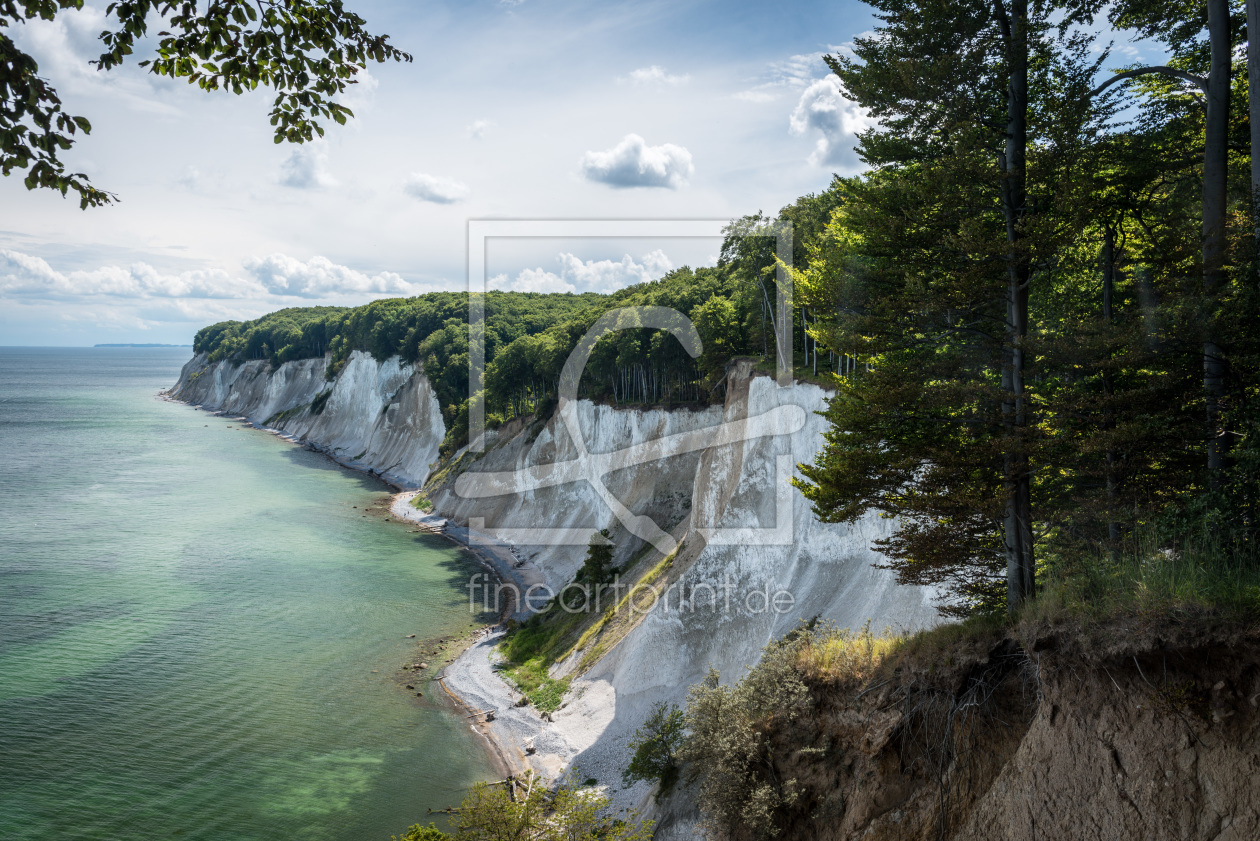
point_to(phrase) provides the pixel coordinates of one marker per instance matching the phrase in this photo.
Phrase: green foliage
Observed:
(421, 503)
(545, 634)
(725, 751)
(531, 677)
(1158, 572)
(307, 51)
(530, 649)
(911, 277)
(416, 832)
(528, 338)
(655, 748)
(598, 568)
(532, 812)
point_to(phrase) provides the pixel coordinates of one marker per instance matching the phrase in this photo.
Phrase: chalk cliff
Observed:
(377, 416)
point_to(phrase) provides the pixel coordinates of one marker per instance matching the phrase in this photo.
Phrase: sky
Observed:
(512, 109)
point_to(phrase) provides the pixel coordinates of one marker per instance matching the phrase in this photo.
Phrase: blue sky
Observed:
(526, 109)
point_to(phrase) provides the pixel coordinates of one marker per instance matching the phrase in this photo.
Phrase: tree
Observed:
(308, 51)
(598, 569)
(958, 166)
(1182, 26)
(655, 749)
(526, 810)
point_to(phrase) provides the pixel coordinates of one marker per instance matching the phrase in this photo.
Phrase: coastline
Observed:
(468, 682)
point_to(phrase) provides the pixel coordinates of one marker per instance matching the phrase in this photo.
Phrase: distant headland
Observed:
(138, 345)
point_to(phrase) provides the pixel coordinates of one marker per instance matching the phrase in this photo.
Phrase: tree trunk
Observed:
(1109, 386)
(1253, 106)
(1017, 523)
(1215, 155)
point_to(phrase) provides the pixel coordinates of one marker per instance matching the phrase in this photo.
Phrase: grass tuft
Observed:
(1195, 575)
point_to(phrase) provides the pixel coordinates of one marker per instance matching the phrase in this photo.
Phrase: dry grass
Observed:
(839, 655)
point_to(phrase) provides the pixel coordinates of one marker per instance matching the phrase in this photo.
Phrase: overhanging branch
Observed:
(1144, 71)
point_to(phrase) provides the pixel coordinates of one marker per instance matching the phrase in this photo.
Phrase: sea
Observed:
(202, 626)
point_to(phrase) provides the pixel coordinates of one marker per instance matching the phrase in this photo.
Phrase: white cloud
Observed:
(789, 74)
(824, 108)
(799, 70)
(24, 276)
(319, 277)
(202, 182)
(362, 90)
(306, 168)
(633, 163)
(654, 75)
(435, 188)
(477, 128)
(577, 275)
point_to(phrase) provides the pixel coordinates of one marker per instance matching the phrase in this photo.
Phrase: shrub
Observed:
(655, 746)
(533, 811)
(725, 744)
(422, 833)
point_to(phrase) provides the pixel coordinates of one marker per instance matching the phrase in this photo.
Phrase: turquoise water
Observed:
(200, 632)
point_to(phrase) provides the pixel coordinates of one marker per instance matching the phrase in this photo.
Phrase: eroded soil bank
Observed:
(1132, 728)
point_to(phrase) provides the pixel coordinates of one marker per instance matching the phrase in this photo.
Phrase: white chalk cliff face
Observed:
(746, 534)
(661, 489)
(719, 611)
(378, 416)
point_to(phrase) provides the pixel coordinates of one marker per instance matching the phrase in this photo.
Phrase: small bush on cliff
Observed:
(320, 401)
(528, 810)
(726, 746)
(416, 832)
(655, 749)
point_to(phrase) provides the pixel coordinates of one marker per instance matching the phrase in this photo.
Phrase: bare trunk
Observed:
(1017, 525)
(1109, 386)
(1253, 106)
(1215, 155)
